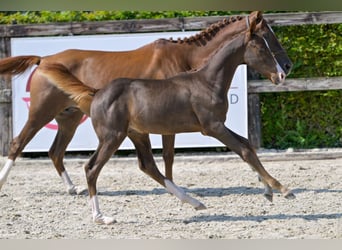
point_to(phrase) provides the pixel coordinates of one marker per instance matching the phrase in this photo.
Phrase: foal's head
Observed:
(259, 56)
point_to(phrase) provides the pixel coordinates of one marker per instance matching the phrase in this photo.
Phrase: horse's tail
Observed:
(17, 64)
(64, 80)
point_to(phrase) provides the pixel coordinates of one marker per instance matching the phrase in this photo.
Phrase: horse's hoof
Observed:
(289, 195)
(104, 220)
(201, 206)
(2, 182)
(269, 197)
(77, 190)
(80, 190)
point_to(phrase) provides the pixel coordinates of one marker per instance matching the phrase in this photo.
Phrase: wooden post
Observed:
(254, 113)
(5, 102)
(254, 120)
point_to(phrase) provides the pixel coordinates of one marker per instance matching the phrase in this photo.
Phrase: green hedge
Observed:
(306, 119)
(300, 119)
(316, 50)
(77, 16)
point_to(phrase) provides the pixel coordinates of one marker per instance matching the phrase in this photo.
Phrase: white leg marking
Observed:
(180, 194)
(5, 171)
(71, 188)
(97, 215)
(268, 193)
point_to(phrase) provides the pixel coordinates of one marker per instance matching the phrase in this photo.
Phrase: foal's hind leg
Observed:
(245, 151)
(168, 154)
(68, 120)
(105, 150)
(148, 166)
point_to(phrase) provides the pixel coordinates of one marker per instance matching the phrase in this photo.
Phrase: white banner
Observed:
(85, 137)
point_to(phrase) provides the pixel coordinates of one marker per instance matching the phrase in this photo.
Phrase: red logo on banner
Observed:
(27, 100)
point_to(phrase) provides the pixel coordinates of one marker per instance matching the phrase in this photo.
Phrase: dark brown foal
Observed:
(188, 102)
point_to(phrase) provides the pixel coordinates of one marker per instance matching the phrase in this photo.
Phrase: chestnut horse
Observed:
(158, 60)
(189, 102)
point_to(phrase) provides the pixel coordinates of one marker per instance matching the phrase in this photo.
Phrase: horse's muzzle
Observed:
(278, 78)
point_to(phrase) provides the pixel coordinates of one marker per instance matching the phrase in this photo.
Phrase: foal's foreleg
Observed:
(268, 193)
(148, 166)
(246, 152)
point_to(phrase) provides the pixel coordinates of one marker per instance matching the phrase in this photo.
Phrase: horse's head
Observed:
(264, 30)
(259, 54)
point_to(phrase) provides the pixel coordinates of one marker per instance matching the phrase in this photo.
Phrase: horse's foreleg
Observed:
(246, 152)
(168, 154)
(148, 166)
(67, 121)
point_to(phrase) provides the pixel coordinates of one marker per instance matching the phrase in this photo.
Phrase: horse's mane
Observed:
(207, 34)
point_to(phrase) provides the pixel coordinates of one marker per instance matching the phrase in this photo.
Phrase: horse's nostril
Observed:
(282, 76)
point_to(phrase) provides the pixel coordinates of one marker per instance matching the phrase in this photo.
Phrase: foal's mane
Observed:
(207, 34)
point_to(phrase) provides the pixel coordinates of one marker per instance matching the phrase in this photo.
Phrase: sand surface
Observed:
(35, 205)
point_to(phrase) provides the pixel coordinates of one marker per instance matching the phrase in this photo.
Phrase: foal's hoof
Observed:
(289, 195)
(269, 197)
(201, 206)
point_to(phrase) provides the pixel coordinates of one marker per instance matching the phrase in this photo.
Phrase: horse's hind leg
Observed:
(41, 112)
(32, 126)
(246, 152)
(67, 121)
(148, 166)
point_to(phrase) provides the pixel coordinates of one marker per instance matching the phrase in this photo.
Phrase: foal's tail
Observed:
(64, 80)
(17, 64)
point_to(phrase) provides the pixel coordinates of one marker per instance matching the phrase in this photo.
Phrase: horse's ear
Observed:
(254, 18)
(257, 15)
